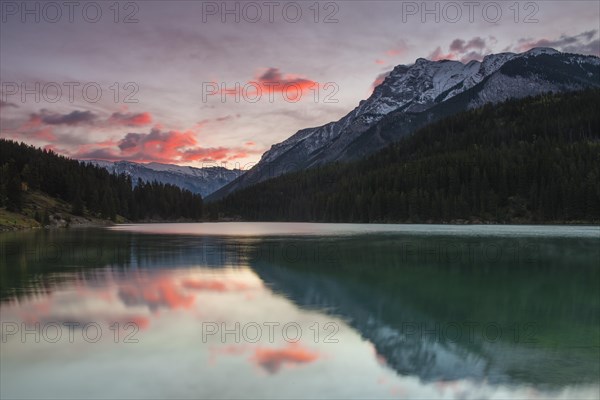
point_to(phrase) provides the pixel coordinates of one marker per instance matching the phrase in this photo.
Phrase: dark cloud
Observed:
(476, 43)
(132, 140)
(438, 55)
(477, 48)
(99, 154)
(591, 48)
(460, 46)
(582, 43)
(272, 74)
(73, 118)
(457, 45)
(464, 51)
(227, 118)
(473, 55)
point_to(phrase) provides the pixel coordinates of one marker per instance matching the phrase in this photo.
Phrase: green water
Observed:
(322, 310)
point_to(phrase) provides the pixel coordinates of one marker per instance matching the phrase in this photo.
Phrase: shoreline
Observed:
(103, 224)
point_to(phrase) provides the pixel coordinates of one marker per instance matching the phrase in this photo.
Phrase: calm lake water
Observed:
(257, 310)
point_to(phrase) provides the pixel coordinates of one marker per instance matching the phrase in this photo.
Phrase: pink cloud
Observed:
(379, 80)
(34, 128)
(130, 119)
(159, 146)
(272, 80)
(438, 55)
(399, 49)
(48, 126)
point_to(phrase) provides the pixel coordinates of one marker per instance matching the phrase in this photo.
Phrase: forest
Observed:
(88, 188)
(533, 160)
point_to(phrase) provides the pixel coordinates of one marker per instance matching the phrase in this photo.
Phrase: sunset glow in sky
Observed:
(176, 84)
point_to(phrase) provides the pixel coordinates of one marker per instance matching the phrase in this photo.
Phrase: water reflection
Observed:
(381, 316)
(528, 318)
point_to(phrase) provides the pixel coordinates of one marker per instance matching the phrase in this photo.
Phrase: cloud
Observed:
(6, 104)
(156, 140)
(96, 154)
(279, 81)
(460, 46)
(438, 55)
(73, 118)
(207, 154)
(130, 119)
(33, 128)
(50, 126)
(214, 121)
(78, 118)
(463, 50)
(399, 49)
(293, 85)
(477, 48)
(272, 80)
(160, 146)
(272, 74)
(379, 79)
(457, 45)
(157, 145)
(582, 43)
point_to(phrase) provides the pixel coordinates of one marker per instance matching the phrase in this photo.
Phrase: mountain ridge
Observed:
(495, 164)
(412, 96)
(203, 181)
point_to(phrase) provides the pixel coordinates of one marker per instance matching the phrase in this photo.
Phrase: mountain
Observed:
(531, 160)
(203, 181)
(415, 95)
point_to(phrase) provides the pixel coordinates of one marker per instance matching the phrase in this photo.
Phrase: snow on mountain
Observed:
(197, 180)
(414, 95)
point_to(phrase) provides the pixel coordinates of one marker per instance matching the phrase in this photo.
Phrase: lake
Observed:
(283, 310)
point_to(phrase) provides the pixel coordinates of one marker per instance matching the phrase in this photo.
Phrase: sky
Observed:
(205, 83)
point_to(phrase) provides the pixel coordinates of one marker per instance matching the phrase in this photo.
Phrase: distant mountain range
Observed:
(412, 96)
(203, 181)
